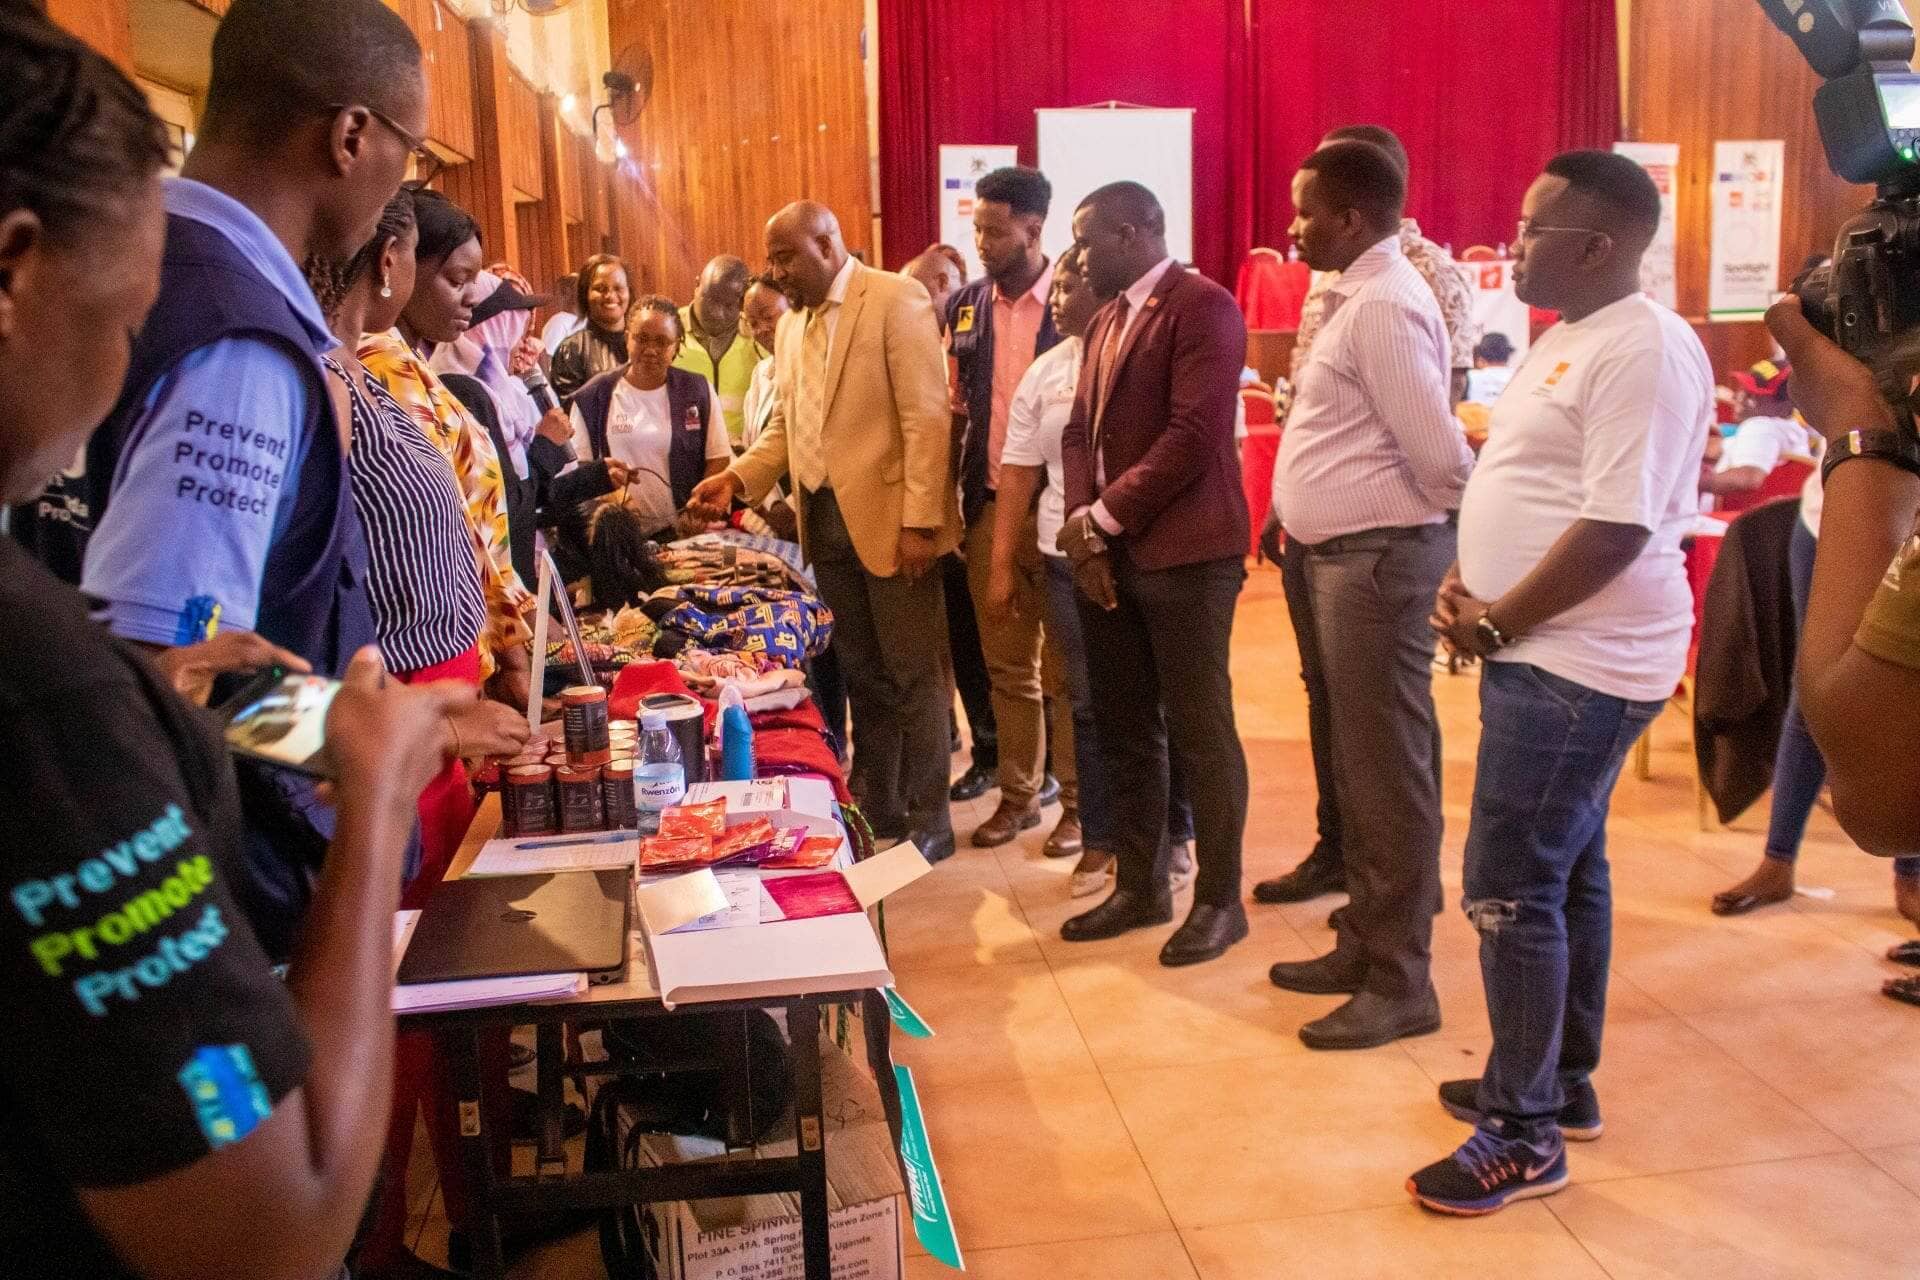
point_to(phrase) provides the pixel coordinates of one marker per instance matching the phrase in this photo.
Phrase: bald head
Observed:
(804, 252)
(718, 295)
(938, 274)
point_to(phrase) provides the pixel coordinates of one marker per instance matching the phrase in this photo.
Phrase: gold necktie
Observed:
(810, 460)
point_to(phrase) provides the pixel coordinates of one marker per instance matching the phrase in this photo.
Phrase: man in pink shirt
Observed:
(996, 327)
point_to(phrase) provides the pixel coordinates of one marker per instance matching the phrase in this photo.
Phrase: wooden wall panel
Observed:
(521, 129)
(444, 45)
(753, 106)
(104, 24)
(493, 204)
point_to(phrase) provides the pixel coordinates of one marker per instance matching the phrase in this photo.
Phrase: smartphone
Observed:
(281, 717)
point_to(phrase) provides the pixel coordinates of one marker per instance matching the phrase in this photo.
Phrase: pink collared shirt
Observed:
(1016, 332)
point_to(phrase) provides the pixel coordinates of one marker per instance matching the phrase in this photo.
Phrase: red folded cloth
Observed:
(779, 752)
(638, 680)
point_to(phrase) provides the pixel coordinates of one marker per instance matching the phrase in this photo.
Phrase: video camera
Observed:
(1869, 116)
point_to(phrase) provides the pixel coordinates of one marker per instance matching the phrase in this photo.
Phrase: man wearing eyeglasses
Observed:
(1371, 464)
(1572, 586)
(217, 490)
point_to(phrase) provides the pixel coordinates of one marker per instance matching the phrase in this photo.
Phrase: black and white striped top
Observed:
(424, 584)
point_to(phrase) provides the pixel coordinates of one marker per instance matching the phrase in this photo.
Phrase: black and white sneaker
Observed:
(1488, 1171)
(1579, 1118)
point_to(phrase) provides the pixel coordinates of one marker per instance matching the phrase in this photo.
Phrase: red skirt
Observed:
(446, 806)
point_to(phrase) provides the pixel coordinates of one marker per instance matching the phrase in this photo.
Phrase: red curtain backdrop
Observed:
(1481, 91)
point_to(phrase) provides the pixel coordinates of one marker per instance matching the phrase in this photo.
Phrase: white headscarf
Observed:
(485, 351)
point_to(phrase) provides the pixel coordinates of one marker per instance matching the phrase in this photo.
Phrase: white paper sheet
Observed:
(538, 855)
(428, 997)
(747, 904)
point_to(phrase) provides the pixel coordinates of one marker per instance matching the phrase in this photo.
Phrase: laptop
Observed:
(510, 926)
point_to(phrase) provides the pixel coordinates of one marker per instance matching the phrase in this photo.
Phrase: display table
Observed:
(552, 1187)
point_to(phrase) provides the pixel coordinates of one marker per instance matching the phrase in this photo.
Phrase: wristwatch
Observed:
(1490, 633)
(1901, 448)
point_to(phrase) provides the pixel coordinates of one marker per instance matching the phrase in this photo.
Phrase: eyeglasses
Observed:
(426, 162)
(1526, 231)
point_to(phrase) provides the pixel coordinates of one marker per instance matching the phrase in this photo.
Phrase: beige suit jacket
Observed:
(887, 433)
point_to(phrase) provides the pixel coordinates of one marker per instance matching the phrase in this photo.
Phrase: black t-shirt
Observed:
(144, 1025)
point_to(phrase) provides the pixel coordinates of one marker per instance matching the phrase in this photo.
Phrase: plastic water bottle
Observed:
(660, 774)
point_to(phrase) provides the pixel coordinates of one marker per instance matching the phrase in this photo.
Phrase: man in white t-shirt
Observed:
(1572, 585)
(1768, 432)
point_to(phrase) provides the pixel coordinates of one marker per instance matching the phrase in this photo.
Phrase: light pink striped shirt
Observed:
(1371, 442)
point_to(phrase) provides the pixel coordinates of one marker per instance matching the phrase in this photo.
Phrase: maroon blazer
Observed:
(1166, 431)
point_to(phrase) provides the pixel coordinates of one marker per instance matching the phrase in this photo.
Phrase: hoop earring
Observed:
(386, 288)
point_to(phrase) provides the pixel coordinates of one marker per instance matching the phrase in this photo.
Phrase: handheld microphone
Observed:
(540, 389)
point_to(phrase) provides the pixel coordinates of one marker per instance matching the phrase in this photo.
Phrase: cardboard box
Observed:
(758, 1237)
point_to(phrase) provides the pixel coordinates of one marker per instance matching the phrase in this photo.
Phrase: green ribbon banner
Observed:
(932, 1223)
(905, 1016)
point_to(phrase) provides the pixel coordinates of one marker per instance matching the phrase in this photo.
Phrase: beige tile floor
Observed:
(1096, 1116)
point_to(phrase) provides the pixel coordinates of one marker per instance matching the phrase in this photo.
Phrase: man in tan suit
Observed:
(861, 422)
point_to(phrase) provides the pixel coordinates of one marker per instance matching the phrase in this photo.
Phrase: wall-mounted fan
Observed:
(538, 8)
(629, 86)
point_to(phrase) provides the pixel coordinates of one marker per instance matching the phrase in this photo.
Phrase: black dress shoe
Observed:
(1049, 791)
(1370, 1020)
(1206, 935)
(1320, 873)
(1328, 975)
(934, 848)
(972, 784)
(1123, 910)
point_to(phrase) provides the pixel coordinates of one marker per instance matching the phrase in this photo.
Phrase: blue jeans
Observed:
(1538, 888)
(1096, 804)
(1799, 771)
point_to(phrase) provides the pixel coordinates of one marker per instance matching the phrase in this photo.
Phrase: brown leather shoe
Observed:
(1006, 823)
(1065, 842)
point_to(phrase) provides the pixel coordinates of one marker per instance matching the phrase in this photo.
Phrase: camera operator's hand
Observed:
(1835, 392)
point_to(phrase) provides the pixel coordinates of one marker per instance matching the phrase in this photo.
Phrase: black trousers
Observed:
(1157, 668)
(1313, 674)
(891, 638)
(969, 664)
(1372, 595)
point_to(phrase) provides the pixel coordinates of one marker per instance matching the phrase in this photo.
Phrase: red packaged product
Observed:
(747, 842)
(706, 819)
(809, 853)
(664, 853)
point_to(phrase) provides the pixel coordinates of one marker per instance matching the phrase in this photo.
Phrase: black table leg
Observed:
(549, 1052)
(877, 1021)
(462, 1048)
(803, 1029)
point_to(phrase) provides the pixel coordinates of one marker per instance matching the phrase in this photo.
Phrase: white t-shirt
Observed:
(1813, 500)
(1605, 419)
(1763, 442)
(639, 434)
(1036, 419)
(1485, 385)
(560, 326)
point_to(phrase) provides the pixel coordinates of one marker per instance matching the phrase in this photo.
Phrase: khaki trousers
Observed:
(1025, 665)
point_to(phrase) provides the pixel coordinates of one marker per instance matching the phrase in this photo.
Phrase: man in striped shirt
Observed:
(1371, 466)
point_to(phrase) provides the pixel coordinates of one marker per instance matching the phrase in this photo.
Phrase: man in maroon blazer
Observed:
(1157, 534)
